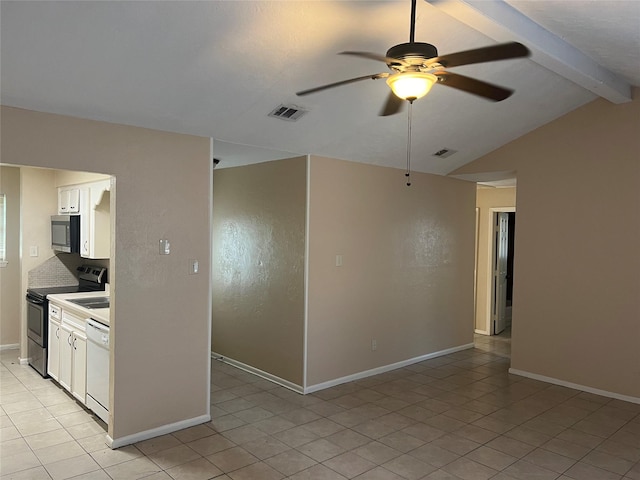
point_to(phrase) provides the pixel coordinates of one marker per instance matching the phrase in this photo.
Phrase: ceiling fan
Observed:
(416, 67)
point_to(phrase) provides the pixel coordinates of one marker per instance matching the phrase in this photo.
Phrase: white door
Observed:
(501, 248)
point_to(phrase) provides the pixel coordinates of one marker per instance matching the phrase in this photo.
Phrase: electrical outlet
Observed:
(374, 345)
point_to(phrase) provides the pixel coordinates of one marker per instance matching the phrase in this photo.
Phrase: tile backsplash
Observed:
(59, 271)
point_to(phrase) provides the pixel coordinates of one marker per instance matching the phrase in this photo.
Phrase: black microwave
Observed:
(65, 233)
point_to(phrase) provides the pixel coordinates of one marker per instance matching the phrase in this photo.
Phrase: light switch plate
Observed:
(33, 251)
(165, 247)
(194, 266)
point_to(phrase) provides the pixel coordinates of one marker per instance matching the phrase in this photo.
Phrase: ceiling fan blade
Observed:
(473, 86)
(503, 51)
(373, 76)
(375, 56)
(392, 106)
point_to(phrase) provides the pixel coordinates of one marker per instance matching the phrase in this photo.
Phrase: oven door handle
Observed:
(34, 300)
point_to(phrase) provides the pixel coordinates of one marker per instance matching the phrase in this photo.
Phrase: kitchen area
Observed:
(66, 229)
(162, 307)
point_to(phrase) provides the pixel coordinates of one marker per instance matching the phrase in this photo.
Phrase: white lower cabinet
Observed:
(68, 354)
(79, 367)
(53, 350)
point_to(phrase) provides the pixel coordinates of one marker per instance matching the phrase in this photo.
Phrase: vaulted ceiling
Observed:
(217, 68)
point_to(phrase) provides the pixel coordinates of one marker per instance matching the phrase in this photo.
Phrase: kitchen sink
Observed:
(92, 302)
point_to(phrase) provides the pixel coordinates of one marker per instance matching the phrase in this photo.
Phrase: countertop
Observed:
(99, 314)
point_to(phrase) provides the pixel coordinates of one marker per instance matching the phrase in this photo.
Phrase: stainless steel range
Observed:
(91, 278)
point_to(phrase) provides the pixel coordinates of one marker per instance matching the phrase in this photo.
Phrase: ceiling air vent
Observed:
(291, 113)
(444, 153)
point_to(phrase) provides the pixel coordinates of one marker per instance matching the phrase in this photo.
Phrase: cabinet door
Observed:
(63, 200)
(66, 356)
(74, 200)
(79, 370)
(68, 200)
(85, 223)
(53, 350)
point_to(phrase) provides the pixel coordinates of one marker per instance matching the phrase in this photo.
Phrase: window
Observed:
(3, 230)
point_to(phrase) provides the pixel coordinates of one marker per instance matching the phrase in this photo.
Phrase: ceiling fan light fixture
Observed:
(411, 85)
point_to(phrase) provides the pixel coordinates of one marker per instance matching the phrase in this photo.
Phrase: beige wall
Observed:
(65, 177)
(486, 199)
(407, 274)
(258, 266)
(39, 200)
(10, 292)
(576, 314)
(160, 314)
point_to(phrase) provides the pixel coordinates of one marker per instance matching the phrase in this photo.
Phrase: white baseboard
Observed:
(575, 386)
(24, 361)
(260, 373)
(384, 369)
(156, 432)
(482, 332)
(10, 346)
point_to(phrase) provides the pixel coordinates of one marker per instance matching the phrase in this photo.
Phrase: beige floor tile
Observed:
(243, 434)
(409, 467)
(62, 451)
(9, 433)
(85, 429)
(469, 470)
(377, 452)
(456, 444)
(15, 463)
(550, 460)
(156, 444)
(225, 422)
(232, 459)
(433, 455)
(608, 462)
(349, 464)
(379, 473)
(491, 458)
(173, 456)
(35, 473)
(296, 436)
(265, 447)
(317, 472)
(211, 444)
(72, 467)
(200, 469)
(53, 437)
(108, 457)
(255, 471)
(133, 469)
(290, 462)
(320, 450)
(37, 427)
(584, 471)
(523, 470)
(348, 439)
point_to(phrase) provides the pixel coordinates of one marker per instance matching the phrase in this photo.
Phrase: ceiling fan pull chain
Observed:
(408, 173)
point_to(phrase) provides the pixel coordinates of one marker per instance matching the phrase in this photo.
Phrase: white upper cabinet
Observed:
(95, 219)
(68, 200)
(92, 201)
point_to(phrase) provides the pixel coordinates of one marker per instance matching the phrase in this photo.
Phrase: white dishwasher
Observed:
(98, 368)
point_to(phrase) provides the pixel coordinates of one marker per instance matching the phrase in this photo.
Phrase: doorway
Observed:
(502, 270)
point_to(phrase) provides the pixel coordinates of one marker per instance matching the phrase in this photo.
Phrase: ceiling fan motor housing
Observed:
(413, 52)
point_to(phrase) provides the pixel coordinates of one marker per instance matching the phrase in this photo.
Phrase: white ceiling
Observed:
(217, 68)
